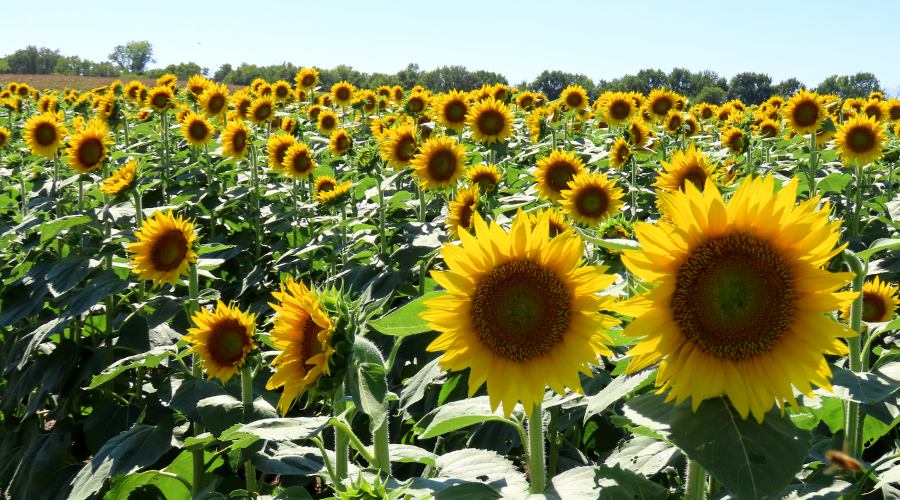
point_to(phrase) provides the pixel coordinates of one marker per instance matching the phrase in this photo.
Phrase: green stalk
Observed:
(296, 213)
(341, 428)
(341, 440)
(853, 428)
(536, 450)
(553, 439)
(165, 139)
(193, 306)
(254, 178)
(381, 442)
(328, 466)
(382, 237)
(23, 194)
(247, 400)
(633, 187)
(138, 221)
(813, 160)
(695, 484)
(421, 202)
(343, 235)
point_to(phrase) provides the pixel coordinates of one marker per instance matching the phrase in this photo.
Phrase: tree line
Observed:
(132, 59)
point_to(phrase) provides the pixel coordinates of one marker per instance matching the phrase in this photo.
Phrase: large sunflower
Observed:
(327, 121)
(261, 109)
(462, 209)
(340, 142)
(520, 311)
(235, 140)
(554, 172)
(88, 148)
(214, 100)
(120, 180)
(617, 107)
(160, 98)
(399, 146)
(860, 140)
(302, 333)
(298, 161)
(734, 140)
(591, 198)
(490, 121)
(574, 97)
(440, 163)
(451, 109)
(740, 302)
(804, 112)
(660, 102)
(164, 249)
(688, 166)
(44, 134)
(196, 130)
(342, 93)
(222, 339)
(276, 149)
(306, 78)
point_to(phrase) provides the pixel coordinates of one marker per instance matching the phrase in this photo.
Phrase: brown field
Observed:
(60, 82)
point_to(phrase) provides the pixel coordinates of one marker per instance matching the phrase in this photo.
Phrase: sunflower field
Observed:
(291, 291)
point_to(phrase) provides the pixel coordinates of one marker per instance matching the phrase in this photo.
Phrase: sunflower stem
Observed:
(254, 179)
(247, 401)
(381, 440)
(125, 130)
(197, 455)
(536, 450)
(695, 483)
(164, 123)
(138, 221)
(855, 221)
(81, 206)
(329, 467)
(23, 194)
(553, 439)
(341, 439)
(382, 237)
(813, 159)
(296, 225)
(421, 202)
(852, 425)
(633, 187)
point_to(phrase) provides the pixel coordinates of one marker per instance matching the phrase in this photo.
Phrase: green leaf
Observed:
(460, 414)
(613, 482)
(218, 413)
(48, 230)
(651, 412)
(486, 467)
(140, 446)
(405, 320)
(67, 273)
(169, 485)
(289, 459)
(616, 244)
(150, 359)
(406, 453)
(278, 429)
(879, 245)
(45, 467)
(465, 491)
(642, 455)
(737, 452)
(616, 390)
(370, 393)
(834, 183)
(414, 388)
(872, 387)
(101, 286)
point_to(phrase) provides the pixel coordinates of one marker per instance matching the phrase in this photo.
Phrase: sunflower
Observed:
(556, 221)
(416, 102)
(554, 172)
(335, 195)
(340, 142)
(306, 78)
(325, 183)
(197, 84)
(342, 93)
(88, 148)
(673, 122)
(214, 100)
(500, 92)
(688, 166)
(235, 140)
(660, 102)
(276, 149)
(160, 98)
(804, 112)
(490, 121)
(740, 299)
(196, 130)
(48, 103)
(860, 140)
(638, 133)
(536, 123)
(327, 121)
(875, 109)
(298, 161)
(440, 163)
(769, 129)
(520, 312)
(525, 100)
(462, 209)
(616, 107)
(182, 113)
(892, 110)
(399, 146)
(261, 109)
(133, 91)
(591, 198)
(242, 102)
(734, 139)
(486, 176)
(4, 136)
(221, 339)
(120, 180)
(44, 134)
(574, 97)
(164, 250)
(396, 93)
(691, 126)
(281, 90)
(302, 333)
(619, 153)
(451, 110)
(167, 80)
(879, 301)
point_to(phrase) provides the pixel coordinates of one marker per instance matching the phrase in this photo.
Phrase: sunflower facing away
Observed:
(44, 134)
(740, 303)
(804, 112)
(462, 210)
(120, 180)
(302, 333)
(490, 121)
(235, 140)
(520, 311)
(164, 250)
(222, 339)
(298, 161)
(688, 166)
(441, 162)
(554, 172)
(591, 198)
(88, 148)
(860, 140)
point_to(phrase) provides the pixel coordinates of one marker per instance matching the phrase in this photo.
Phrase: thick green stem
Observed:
(421, 202)
(341, 440)
(164, 123)
(329, 467)
(343, 429)
(553, 439)
(296, 214)
(536, 450)
(853, 428)
(813, 160)
(382, 236)
(695, 484)
(633, 187)
(247, 403)
(254, 178)
(382, 453)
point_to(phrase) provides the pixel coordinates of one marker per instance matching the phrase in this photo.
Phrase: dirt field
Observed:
(62, 81)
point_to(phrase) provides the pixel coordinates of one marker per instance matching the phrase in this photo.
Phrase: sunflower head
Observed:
(804, 112)
(879, 301)
(214, 100)
(734, 140)
(440, 163)
(261, 109)
(616, 107)
(235, 140)
(660, 102)
(399, 145)
(164, 249)
(44, 134)
(554, 172)
(307, 78)
(298, 161)
(574, 97)
(486, 176)
(688, 166)
(619, 153)
(120, 180)
(276, 149)
(196, 130)
(638, 133)
(451, 109)
(860, 140)
(340, 142)
(462, 209)
(769, 129)
(520, 311)
(160, 98)
(327, 121)
(88, 148)
(591, 198)
(222, 339)
(556, 221)
(4, 136)
(342, 93)
(673, 122)
(490, 121)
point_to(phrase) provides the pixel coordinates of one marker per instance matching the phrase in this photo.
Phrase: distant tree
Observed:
(710, 94)
(858, 85)
(133, 57)
(4, 66)
(222, 72)
(788, 87)
(448, 78)
(182, 70)
(552, 83)
(410, 76)
(751, 88)
(33, 60)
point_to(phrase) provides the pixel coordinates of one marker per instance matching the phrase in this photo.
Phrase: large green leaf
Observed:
(171, 486)
(278, 429)
(879, 245)
(871, 387)
(604, 482)
(486, 467)
(414, 388)
(218, 413)
(405, 320)
(101, 286)
(45, 467)
(642, 455)
(48, 230)
(616, 390)
(140, 446)
(149, 359)
(461, 414)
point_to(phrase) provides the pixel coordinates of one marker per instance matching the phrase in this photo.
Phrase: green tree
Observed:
(33, 61)
(448, 78)
(788, 87)
(552, 83)
(858, 85)
(712, 95)
(751, 88)
(133, 57)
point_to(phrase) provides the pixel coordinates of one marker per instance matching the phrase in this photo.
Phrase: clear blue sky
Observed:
(806, 39)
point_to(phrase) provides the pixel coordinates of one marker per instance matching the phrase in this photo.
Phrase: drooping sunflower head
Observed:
(261, 109)
(302, 333)
(298, 161)
(485, 175)
(554, 172)
(276, 149)
(804, 112)
(327, 121)
(440, 164)
(860, 140)
(591, 198)
(89, 147)
(734, 140)
(214, 100)
(235, 140)
(160, 98)
(660, 102)
(879, 301)
(490, 121)
(688, 166)
(574, 97)
(619, 153)
(340, 142)
(222, 339)
(739, 299)
(342, 93)
(462, 209)
(196, 130)
(306, 78)
(164, 249)
(451, 109)
(121, 180)
(399, 145)
(520, 311)
(44, 134)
